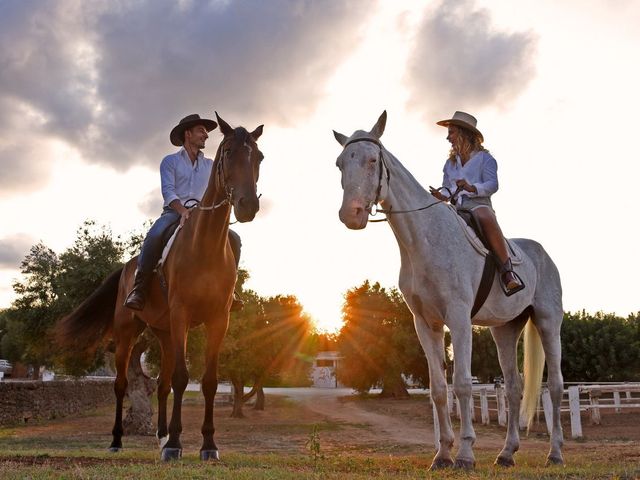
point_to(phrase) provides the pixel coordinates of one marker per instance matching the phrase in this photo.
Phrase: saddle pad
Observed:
(516, 257)
(167, 248)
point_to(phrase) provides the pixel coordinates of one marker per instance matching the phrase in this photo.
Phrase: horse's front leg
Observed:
(432, 341)
(179, 380)
(461, 335)
(215, 333)
(167, 364)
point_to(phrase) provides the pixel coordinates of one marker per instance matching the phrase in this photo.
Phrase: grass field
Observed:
(280, 443)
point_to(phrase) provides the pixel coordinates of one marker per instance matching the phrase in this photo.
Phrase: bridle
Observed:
(228, 190)
(372, 207)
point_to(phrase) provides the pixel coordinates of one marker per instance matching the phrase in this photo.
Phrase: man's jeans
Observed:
(159, 235)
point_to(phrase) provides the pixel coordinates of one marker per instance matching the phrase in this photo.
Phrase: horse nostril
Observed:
(358, 210)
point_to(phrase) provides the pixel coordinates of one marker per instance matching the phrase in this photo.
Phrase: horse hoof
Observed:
(115, 449)
(206, 455)
(505, 462)
(169, 454)
(440, 463)
(464, 464)
(162, 441)
(554, 461)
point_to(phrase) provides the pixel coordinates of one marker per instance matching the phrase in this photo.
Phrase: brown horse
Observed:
(200, 272)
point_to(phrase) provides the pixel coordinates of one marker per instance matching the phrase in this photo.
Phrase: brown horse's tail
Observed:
(84, 328)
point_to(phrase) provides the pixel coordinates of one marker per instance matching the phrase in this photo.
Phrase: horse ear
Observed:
(342, 139)
(225, 128)
(256, 133)
(378, 128)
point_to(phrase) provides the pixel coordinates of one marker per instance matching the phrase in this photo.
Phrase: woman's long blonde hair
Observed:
(468, 142)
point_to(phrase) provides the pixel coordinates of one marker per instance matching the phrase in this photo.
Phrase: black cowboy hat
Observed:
(177, 134)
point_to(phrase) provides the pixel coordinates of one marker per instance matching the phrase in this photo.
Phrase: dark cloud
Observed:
(13, 249)
(112, 78)
(462, 62)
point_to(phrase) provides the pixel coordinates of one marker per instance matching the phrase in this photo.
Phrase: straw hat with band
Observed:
(464, 120)
(177, 134)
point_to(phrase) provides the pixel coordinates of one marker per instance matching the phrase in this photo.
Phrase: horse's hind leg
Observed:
(506, 339)
(215, 334)
(548, 323)
(124, 338)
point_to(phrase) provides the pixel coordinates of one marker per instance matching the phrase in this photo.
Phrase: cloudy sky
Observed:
(89, 91)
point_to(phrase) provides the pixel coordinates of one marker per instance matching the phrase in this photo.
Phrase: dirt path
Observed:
(397, 430)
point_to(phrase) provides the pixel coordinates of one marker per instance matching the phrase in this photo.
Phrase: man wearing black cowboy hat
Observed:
(184, 175)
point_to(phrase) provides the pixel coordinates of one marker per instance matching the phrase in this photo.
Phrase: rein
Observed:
(372, 206)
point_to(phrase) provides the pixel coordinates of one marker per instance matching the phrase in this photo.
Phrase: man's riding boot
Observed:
(510, 281)
(237, 304)
(136, 298)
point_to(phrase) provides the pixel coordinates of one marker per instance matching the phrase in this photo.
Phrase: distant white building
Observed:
(325, 370)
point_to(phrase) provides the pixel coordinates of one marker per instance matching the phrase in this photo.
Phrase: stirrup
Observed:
(514, 290)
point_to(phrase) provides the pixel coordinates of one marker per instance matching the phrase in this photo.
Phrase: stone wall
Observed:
(24, 401)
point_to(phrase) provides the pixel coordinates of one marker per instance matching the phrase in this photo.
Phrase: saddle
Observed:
(476, 236)
(165, 252)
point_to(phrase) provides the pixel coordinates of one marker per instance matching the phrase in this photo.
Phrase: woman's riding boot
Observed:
(136, 298)
(510, 280)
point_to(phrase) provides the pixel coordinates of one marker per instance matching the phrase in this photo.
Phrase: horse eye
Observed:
(373, 160)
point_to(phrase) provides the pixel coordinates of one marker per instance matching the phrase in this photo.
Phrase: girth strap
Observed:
(486, 282)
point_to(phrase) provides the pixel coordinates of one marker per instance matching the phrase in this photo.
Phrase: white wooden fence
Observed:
(576, 399)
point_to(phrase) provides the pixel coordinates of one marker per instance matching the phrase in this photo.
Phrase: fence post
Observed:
(436, 426)
(484, 407)
(616, 400)
(472, 408)
(574, 410)
(594, 407)
(502, 406)
(548, 409)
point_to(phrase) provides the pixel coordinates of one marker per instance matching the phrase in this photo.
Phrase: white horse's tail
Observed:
(533, 369)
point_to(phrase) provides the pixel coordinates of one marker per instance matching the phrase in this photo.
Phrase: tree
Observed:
(264, 341)
(51, 287)
(378, 341)
(484, 355)
(34, 311)
(600, 347)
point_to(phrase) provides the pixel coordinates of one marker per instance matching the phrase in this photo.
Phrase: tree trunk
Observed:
(35, 375)
(238, 398)
(138, 420)
(394, 387)
(259, 399)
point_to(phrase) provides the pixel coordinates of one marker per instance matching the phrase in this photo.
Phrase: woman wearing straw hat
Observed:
(470, 178)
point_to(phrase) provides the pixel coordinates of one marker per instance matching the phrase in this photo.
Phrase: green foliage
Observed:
(484, 356)
(378, 341)
(600, 347)
(52, 285)
(264, 343)
(313, 444)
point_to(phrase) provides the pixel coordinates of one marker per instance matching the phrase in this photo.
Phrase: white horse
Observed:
(439, 276)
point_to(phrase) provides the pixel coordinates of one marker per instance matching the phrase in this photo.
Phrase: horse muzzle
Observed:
(246, 207)
(354, 215)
